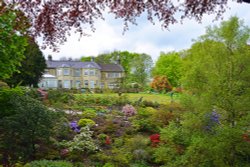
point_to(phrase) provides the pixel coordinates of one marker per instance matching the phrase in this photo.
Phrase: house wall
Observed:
(111, 82)
(87, 78)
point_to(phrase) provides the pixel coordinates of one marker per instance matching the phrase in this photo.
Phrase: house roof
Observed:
(72, 64)
(111, 67)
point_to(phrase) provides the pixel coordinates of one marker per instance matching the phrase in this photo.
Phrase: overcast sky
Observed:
(143, 38)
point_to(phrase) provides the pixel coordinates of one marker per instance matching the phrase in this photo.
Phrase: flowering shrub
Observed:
(107, 140)
(129, 110)
(74, 126)
(213, 119)
(155, 139)
(81, 142)
(246, 137)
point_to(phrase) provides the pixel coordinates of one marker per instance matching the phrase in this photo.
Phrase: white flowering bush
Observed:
(128, 110)
(82, 142)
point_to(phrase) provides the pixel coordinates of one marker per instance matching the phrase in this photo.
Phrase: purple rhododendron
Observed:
(213, 119)
(73, 125)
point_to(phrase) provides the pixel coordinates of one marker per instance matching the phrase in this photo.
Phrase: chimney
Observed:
(49, 57)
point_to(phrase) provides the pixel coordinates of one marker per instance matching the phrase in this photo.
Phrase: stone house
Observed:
(77, 74)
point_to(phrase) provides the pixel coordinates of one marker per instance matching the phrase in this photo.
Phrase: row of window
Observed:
(52, 83)
(78, 84)
(77, 72)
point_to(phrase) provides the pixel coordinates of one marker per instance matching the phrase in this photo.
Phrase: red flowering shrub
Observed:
(155, 139)
(108, 140)
(161, 83)
(246, 137)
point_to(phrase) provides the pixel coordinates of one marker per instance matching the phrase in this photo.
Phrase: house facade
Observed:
(77, 74)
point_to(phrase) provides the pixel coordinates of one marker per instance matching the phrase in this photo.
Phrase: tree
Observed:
(12, 43)
(217, 78)
(141, 69)
(25, 130)
(170, 66)
(217, 68)
(136, 66)
(86, 58)
(54, 19)
(161, 83)
(31, 69)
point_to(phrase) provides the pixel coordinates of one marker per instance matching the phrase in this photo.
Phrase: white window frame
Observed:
(86, 83)
(78, 83)
(77, 72)
(66, 72)
(92, 84)
(86, 72)
(66, 84)
(91, 72)
(59, 72)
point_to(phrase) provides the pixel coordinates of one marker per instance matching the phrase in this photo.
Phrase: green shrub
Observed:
(60, 95)
(86, 122)
(47, 163)
(89, 113)
(108, 165)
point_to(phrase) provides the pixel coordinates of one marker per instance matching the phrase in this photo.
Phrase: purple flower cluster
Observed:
(128, 110)
(214, 117)
(73, 125)
(212, 120)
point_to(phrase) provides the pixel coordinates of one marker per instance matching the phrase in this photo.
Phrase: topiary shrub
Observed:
(86, 122)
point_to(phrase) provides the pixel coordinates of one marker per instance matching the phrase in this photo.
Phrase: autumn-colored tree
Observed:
(54, 19)
(161, 83)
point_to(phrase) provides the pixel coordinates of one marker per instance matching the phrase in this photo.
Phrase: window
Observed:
(112, 85)
(46, 71)
(113, 75)
(59, 72)
(52, 83)
(86, 72)
(66, 71)
(102, 85)
(92, 84)
(86, 83)
(78, 84)
(77, 72)
(66, 84)
(92, 72)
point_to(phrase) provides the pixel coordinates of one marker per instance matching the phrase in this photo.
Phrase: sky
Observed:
(144, 37)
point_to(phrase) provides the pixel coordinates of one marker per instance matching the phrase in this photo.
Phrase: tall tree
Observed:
(141, 68)
(31, 69)
(54, 19)
(170, 66)
(12, 42)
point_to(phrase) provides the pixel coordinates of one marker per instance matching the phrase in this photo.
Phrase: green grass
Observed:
(159, 98)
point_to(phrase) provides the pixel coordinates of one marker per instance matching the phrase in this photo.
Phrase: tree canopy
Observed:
(12, 43)
(170, 66)
(31, 69)
(216, 119)
(54, 19)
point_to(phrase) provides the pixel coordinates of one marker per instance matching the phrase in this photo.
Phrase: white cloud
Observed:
(144, 38)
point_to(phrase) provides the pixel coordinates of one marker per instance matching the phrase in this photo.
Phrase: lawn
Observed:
(159, 98)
